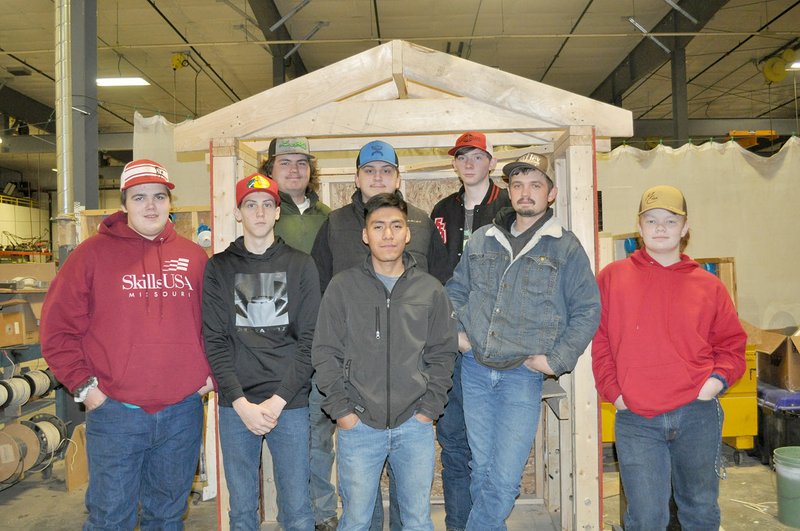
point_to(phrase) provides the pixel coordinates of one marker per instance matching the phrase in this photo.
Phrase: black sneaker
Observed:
(328, 525)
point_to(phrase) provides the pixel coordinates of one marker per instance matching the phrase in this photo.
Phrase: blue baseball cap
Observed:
(379, 151)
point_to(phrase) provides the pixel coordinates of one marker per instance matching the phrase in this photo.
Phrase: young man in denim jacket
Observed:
(528, 305)
(457, 216)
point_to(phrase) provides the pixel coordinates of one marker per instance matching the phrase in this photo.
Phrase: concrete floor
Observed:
(747, 499)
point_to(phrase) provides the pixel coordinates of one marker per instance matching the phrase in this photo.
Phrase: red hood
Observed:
(642, 259)
(116, 225)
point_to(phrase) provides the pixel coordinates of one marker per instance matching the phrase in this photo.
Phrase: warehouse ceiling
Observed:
(201, 55)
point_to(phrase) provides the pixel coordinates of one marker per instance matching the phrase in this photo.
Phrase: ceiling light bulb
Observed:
(121, 82)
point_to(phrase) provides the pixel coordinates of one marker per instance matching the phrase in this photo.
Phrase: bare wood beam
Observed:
(400, 117)
(241, 119)
(512, 92)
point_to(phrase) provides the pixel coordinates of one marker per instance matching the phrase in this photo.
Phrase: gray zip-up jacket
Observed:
(384, 356)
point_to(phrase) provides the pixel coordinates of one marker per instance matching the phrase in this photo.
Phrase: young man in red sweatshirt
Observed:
(121, 330)
(669, 343)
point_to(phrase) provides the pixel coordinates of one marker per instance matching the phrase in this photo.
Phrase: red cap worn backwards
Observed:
(256, 183)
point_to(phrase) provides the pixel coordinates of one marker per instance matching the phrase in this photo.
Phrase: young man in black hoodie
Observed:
(260, 304)
(384, 350)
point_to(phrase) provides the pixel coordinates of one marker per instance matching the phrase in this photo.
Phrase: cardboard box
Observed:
(778, 355)
(42, 273)
(17, 324)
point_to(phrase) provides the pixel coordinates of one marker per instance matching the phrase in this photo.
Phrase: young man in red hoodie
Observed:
(121, 330)
(669, 343)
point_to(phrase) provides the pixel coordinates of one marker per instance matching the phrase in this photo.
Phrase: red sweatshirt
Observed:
(127, 310)
(663, 332)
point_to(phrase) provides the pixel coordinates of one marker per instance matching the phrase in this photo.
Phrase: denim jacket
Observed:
(544, 301)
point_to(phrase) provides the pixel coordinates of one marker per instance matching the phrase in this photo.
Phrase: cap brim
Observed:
(276, 197)
(309, 155)
(669, 209)
(452, 151)
(148, 180)
(389, 162)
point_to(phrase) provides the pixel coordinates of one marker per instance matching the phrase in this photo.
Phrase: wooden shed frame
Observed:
(415, 97)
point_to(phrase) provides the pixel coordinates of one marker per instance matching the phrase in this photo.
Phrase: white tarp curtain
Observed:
(739, 205)
(153, 139)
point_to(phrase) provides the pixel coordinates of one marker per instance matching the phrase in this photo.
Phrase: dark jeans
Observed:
(140, 458)
(676, 452)
(324, 500)
(451, 432)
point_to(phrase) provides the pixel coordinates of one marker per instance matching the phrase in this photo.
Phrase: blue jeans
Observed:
(323, 494)
(501, 410)
(395, 522)
(140, 458)
(678, 452)
(364, 450)
(451, 432)
(241, 453)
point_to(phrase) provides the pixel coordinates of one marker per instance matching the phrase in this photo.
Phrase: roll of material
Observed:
(28, 442)
(11, 466)
(5, 394)
(20, 391)
(52, 436)
(52, 433)
(39, 381)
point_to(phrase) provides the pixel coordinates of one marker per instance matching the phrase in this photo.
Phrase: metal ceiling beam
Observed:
(267, 14)
(647, 56)
(27, 109)
(717, 128)
(47, 143)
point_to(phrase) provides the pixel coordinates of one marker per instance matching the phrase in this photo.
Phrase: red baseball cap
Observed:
(256, 182)
(472, 139)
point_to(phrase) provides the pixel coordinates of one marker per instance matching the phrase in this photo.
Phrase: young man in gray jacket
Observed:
(384, 349)
(339, 246)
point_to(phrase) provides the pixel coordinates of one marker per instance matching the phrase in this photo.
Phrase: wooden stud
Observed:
(397, 69)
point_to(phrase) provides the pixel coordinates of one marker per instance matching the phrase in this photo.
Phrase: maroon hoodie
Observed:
(663, 332)
(127, 310)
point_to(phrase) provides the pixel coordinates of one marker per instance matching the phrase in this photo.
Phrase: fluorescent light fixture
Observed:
(292, 12)
(794, 66)
(639, 27)
(680, 10)
(319, 25)
(121, 82)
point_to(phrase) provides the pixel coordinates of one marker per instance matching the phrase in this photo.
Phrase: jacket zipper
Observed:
(377, 322)
(388, 372)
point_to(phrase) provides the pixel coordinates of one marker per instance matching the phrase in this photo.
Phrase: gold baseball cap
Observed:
(663, 196)
(531, 161)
